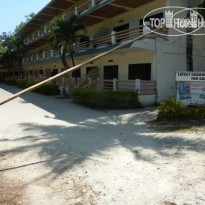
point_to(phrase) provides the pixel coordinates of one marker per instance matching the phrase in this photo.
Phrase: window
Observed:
(140, 71)
(41, 72)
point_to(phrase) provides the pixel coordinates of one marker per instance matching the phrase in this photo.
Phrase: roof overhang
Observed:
(51, 10)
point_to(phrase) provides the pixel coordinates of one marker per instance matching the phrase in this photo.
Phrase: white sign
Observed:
(190, 76)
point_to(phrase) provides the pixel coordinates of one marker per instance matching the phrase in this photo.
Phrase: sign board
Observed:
(190, 76)
(191, 88)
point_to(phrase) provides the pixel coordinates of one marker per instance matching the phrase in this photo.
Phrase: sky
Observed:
(12, 12)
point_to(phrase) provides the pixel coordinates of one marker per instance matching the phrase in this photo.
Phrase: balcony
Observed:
(113, 39)
(90, 13)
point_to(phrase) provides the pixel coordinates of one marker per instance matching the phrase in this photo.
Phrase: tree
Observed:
(22, 24)
(13, 50)
(189, 41)
(65, 33)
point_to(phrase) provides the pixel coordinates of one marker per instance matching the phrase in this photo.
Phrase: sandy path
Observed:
(55, 152)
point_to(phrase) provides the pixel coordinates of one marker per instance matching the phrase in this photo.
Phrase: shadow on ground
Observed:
(89, 133)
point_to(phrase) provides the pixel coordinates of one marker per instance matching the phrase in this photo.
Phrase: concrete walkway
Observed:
(55, 152)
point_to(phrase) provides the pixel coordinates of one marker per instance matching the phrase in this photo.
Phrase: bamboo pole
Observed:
(76, 67)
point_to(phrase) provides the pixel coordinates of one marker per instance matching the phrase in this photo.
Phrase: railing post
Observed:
(39, 33)
(33, 36)
(61, 89)
(76, 11)
(113, 37)
(63, 16)
(36, 56)
(44, 56)
(67, 89)
(63, 80)
(32, 58)
(52, 53)
(114, 84)
(98, 83)
(93, 3)
(91, 43)
(45, 29)
(62, 47)
(137, 85)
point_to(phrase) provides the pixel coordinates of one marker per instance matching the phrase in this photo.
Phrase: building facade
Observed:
(109, 23)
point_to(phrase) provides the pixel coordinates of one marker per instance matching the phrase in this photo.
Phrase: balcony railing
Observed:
(77, 11)
(83, 8)
(38, 34)
(112, 39)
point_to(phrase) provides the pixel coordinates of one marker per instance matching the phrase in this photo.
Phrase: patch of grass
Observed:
(181, 126)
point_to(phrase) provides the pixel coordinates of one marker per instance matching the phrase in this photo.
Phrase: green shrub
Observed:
(21, 83)
(170, 109)
(29, 84)
(106, 99)
(48, 89)
(10, 81)
(198, 111)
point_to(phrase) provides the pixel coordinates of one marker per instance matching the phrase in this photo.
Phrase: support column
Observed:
(137, 85)
(113, 37)
(93, 3)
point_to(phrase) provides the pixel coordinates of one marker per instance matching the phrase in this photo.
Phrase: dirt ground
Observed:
(55, 152)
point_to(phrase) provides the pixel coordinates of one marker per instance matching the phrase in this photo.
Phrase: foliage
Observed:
(22, 24)
(10, 81)
(66, 33)
(105, 98)
(21, 83)
(47, 89)
(170, 109)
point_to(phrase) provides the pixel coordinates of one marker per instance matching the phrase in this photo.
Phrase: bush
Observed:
(105, 99)
(48, 89)
(10, 81)
(170, 109)
(21, 83)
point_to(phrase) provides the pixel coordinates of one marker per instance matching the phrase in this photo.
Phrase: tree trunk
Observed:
(63, 58)
(72, 58)
(189, 41)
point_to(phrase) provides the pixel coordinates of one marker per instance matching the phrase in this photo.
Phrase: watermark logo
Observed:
(179, 20)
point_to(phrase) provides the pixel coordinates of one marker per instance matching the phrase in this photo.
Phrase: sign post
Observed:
(191, 88)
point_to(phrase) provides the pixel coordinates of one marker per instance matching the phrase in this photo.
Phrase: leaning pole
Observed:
(76, 67)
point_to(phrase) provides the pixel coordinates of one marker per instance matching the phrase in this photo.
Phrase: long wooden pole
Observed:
(76, 67)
